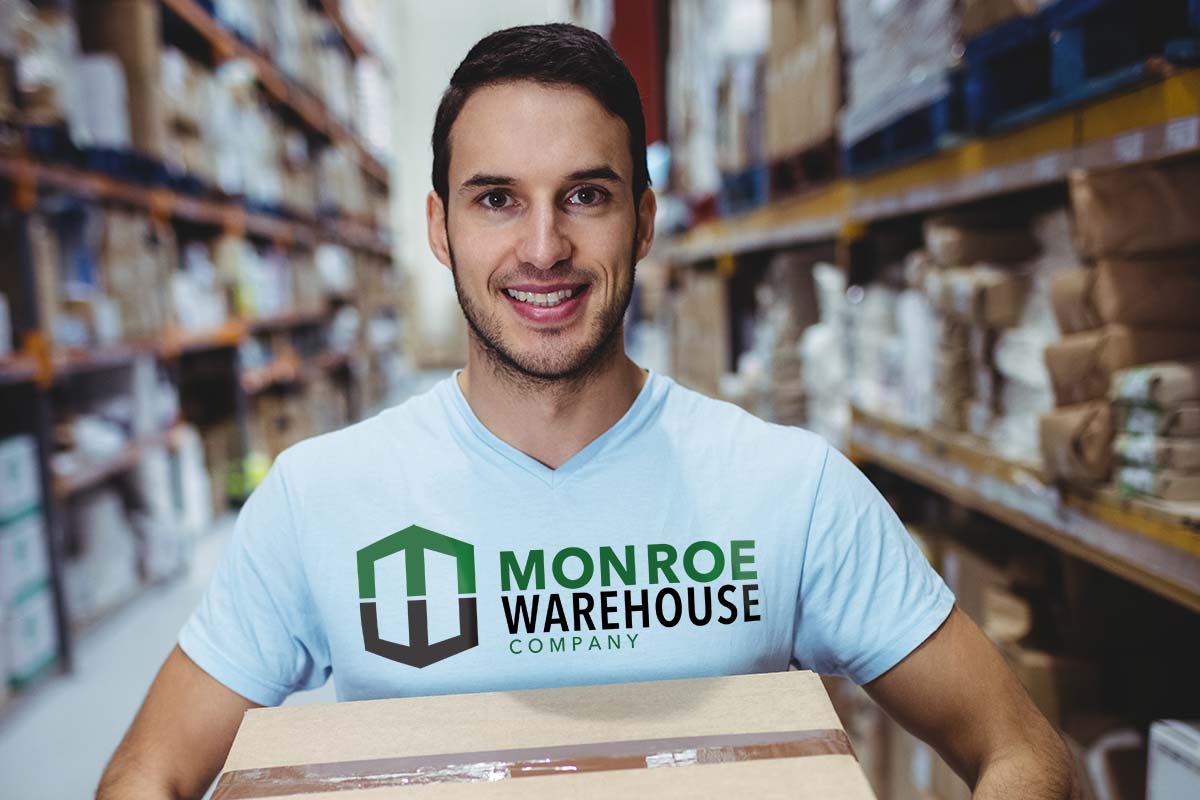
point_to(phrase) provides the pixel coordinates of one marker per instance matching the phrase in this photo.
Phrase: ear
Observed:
(647, 208)
(435, 219)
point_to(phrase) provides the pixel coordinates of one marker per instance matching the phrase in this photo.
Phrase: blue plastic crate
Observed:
(918, 133)
(1074, 50)
(744, 190)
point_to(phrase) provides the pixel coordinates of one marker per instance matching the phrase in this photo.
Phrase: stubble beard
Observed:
(558, 369)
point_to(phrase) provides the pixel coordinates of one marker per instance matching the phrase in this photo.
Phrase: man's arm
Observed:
(179, 739)
(956, 692)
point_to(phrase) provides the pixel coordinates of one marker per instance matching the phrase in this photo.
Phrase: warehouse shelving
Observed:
(310, 110)
(1155, 545)
(28, 176)
(100, 471)
(1155, 121)
(33, 375)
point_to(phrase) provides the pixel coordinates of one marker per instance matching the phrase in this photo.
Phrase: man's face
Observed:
(540, 229)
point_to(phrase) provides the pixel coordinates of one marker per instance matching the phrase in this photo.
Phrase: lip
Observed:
(560, 314)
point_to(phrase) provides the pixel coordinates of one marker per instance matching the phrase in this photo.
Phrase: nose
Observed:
(543, 243)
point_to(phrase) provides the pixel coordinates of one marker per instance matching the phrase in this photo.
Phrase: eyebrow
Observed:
(479, 180)
(602, 172)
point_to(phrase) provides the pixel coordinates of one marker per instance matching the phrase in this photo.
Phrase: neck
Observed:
(549, 421)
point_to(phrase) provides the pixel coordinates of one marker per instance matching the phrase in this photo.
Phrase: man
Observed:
(554, 515)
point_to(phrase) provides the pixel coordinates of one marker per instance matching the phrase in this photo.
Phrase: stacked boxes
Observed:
(977, 292)
(1157, 450)
(803, 76)
(28, 627)
(701, 345)
(129, 29)
(1134, 306)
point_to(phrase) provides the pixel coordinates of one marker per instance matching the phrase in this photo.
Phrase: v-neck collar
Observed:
(637, 413)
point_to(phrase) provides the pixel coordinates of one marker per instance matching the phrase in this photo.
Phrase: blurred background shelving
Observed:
(197, 272)
(956, 238)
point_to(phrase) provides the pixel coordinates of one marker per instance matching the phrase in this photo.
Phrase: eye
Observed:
(588, 196)
(495, 200)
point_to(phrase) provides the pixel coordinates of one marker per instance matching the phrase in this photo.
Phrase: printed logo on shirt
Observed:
(414, 541)
(552, 621)
(704, 584)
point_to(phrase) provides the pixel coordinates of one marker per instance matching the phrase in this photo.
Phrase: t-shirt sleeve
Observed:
(868, 597)
(255, 629)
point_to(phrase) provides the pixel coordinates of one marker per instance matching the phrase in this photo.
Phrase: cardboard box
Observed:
(866, 724)
(1072, 299)
(1137, 211)
(771, 736)
(129, 29)
(1081, 366)
(1165, 484)
(1149, 293)
(803, 76)
(19, 475)
(700, 337)
(961, 240)
(1182, 420)
(24, 555)
(1173, 769)
(1155, 452)
(981, 295)
(1076, 442)
(31, 635)
(1161, 385)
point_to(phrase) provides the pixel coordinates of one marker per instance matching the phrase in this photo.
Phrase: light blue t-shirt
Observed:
(417, 553)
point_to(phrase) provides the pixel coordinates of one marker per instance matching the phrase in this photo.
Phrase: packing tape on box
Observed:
(528, 762)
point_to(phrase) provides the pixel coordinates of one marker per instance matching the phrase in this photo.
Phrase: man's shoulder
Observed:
(704, 422)
(405, 427)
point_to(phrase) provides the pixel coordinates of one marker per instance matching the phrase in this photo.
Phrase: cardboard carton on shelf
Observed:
(1143, 210)
(961, 240)
(1082, 365)
(771, 736)
(30, 636)
(1071, 298)
(1076, 442)
(1149, 293)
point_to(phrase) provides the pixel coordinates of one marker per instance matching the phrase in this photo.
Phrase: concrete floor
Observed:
(57, 742)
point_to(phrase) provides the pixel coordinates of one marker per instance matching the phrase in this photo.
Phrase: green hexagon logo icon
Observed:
(414, 541)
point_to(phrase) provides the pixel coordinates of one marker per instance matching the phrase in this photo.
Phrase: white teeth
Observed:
(544, 300)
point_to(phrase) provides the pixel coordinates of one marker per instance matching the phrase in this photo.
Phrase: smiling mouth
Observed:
(547, 299)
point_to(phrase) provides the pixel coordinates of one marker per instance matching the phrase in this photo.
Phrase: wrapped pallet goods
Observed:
(1180, 420)
(1165, 484)
(896, 54)
(1076, 442)
(1162, 385)
(1137, 211)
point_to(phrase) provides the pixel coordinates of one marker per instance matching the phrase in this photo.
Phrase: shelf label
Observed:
(1047, 167)
(1183, 134)
(1129, 147)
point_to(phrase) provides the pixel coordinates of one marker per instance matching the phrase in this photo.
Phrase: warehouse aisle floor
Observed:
(56, 744)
